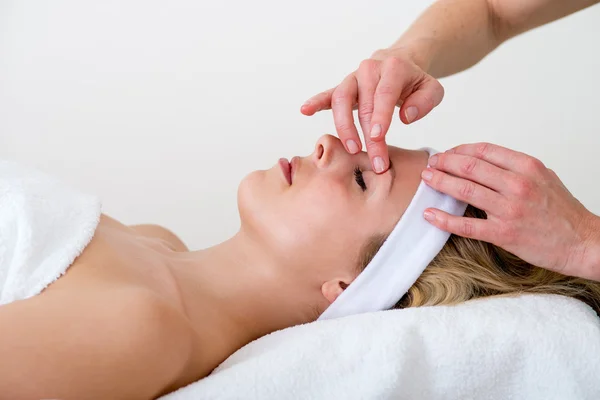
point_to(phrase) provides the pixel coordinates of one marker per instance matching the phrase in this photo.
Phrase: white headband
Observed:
(405, 254)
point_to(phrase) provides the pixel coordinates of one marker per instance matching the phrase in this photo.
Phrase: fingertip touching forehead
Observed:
(409, 248)
(405, 167)
(316, 214)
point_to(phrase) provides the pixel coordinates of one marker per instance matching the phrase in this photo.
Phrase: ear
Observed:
(333, 288)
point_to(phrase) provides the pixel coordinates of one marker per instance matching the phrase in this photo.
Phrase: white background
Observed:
(162, 107)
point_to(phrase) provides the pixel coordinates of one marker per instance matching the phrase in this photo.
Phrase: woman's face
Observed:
(318, 218)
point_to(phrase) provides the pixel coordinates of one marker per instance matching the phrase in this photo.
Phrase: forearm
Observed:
(450, 36)
(453, 35)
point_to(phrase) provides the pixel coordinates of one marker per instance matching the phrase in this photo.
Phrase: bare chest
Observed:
(117, 260)
(120, 258)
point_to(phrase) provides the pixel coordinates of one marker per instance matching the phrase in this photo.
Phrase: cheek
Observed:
(271, 212)
(310, 226)
(316, 226)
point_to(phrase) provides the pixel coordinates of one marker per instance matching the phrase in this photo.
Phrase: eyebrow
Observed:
(393, 171)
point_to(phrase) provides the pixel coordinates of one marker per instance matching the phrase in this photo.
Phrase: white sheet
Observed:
(531, 347)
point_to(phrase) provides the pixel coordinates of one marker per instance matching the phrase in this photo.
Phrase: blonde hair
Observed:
(467, 269)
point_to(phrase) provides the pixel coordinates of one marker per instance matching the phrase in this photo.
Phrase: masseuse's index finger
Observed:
(474, 228)
(472, 168)
(343, 99)
(501, 156)
(386, 98)
(319, 102)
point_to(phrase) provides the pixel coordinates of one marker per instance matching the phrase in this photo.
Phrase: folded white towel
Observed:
(530, 347)
(44, 226)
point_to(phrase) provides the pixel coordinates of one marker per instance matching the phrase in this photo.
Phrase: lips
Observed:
(286, 167)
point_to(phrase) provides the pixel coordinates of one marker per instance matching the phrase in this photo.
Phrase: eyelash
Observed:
(358, 177)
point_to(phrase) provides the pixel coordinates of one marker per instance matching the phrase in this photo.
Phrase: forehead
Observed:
(408, 161)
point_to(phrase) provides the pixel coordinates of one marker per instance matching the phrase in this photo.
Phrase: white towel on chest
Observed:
(531, 347)
(44, 226)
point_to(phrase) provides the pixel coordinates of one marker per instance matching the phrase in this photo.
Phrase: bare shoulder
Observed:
(160, 232)
(74, 342)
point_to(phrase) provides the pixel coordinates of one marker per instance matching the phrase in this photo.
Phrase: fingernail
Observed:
(449, 151)
(378, 164)
(411, 113)
(426, 175)
(433, 160)
(306, 103)
(352, 146)
(429, 216)
(376, 131)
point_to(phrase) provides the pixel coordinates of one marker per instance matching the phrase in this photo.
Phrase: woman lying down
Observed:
(134, 314)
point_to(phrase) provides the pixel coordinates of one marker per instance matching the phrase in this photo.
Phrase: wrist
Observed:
(590, 261)
(418, 51)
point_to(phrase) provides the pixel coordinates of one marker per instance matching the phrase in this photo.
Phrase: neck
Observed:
(238, 293)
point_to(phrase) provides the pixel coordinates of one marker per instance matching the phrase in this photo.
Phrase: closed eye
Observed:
(358, 177)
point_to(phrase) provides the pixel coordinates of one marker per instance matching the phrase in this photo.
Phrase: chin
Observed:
(259, 202)
(250, 195)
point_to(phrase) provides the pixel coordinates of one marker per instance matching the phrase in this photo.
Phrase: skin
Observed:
(531, 215)
(449, 37)
(523, 200)
(138, 315)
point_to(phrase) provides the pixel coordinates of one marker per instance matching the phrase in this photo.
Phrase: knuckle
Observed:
(462, 149)
(384, 90)
(433, 95)
(437, 180)
(368, 64)
(534, 165)
(344, 128)
(339, 97)
(483, 149)
(441, 161)
(469, 165)
(467, 228)
(523, 187)
(428, 101)
(365, 109)
(553, 175)
(442, 222)
(439, 89)
(379, 54)
(395, 62)
(371, 145)
(467, 190)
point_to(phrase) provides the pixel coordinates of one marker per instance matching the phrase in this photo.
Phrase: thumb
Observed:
(427, 96)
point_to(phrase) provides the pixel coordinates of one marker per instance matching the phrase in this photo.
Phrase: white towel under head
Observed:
(529, 347)
(405, 254)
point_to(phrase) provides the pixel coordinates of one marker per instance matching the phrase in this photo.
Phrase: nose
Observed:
(327, 149)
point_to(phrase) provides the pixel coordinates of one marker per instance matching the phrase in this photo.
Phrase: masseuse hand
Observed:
(388, 79)
(530, 213)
